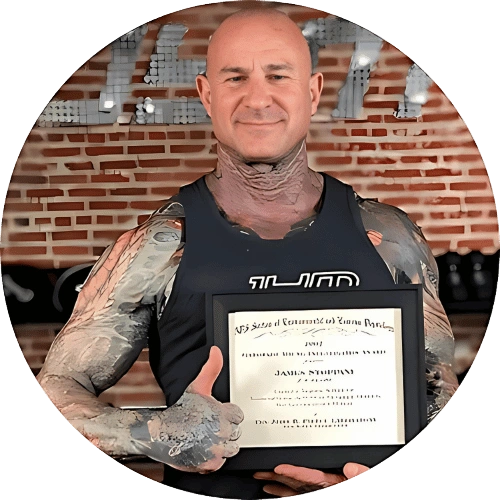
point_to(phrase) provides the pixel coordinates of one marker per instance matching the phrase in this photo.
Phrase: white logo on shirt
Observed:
(307, 280)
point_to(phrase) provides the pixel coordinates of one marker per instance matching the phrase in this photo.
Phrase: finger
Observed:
(352, 469)
(309, 476)
(233, 413)
(204, 382)
(279, 490)
(230, 449)
(236, 432)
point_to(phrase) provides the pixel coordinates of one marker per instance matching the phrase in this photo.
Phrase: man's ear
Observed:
(203, 88)
(315, 86)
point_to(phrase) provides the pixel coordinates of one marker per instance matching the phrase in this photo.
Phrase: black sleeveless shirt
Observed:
(219, 258)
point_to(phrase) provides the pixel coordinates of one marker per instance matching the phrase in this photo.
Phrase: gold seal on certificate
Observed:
(317, 377)
(323, 378)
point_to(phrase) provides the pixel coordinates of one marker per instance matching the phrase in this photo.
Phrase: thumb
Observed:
(352, 469)
(203, 383)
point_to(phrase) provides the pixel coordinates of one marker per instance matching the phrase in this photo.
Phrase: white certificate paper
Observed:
(327, 377)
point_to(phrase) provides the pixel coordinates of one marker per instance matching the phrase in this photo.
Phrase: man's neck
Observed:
(268, 198)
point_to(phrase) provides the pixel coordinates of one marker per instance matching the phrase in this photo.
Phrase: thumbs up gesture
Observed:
(198, 433)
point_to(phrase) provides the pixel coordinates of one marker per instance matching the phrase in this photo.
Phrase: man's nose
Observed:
(258, 94)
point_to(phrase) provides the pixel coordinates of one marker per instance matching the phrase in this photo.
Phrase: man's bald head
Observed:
(280, 21)
(258, 87)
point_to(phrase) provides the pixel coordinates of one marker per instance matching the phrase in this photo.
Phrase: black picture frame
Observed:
(406, 297)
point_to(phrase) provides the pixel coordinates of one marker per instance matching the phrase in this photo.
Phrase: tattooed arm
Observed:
(104, 336)
(403, 247)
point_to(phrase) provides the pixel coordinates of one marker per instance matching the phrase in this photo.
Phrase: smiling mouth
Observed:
(259, 124)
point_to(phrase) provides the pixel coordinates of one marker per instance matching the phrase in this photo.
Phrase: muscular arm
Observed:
(104, 336)
(403, 247)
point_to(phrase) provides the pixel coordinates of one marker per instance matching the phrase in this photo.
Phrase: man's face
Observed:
(259, 91)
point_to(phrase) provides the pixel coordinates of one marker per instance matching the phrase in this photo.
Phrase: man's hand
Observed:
(295, 480)
(198, 433)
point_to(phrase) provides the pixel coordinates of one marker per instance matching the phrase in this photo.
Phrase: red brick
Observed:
(123, 218)
(142, 218)
(69, 95)
(437, 117)
(28, 179)
(62, 221)
(479, 199)
(419, 159)
(108, 178)
(24, 251)
(186, 93)
(104, 219)
(359, 132)
(65, 205)
(87, 192)
(467, 186)
(76, 138)
(159, 162)
(401, 173)
(104, 150)
(55, 137)
(478, 171)
(67, 250)
(197, 134)
(187, 148)
(85, 219)
(379, 104)
(176, 135)
(445, 230)
(116, 165)
(440, 172)
(107, 235)
(397, 146)
(86, 165)
(116, 136)
(386, 187)
(475, 244)
(399, 60)
(86, 80)
(397, 201)
(206, 164)
(69, 235)
(31, 166)
(43, 220)
(377, 132)
(438, 244)
(44, 193)
(59, 152)
(339, 132)
(13, 194)
(96, 137)
(97, 65)
(446, 200)
(334, 160)
(157, 136)
(394, 90)
(107, 205)
(23, 207)
(27, 237)
(485, 227)
(147, 92)
(430, 186)
(34, 138)
(129, 192)
(463, 158)
(151, 149)
(67, 179)
(164, 191)
(375, 161)
(135, 136)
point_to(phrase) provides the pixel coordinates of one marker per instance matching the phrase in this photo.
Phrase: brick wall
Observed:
(76, 188)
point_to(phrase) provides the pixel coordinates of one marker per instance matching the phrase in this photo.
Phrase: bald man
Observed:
(262, 211)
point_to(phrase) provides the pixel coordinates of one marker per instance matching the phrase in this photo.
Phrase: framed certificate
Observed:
(323, 378)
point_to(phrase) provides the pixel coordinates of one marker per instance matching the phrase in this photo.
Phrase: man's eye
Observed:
(235, 79)
(277, 77)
